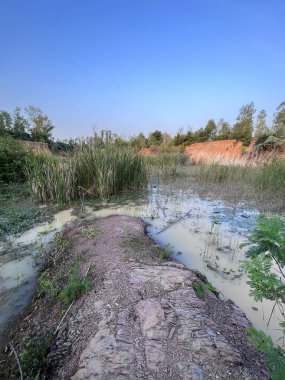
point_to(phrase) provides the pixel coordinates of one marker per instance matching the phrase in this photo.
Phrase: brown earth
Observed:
(227, 152)
(37, 147)
(142, 318)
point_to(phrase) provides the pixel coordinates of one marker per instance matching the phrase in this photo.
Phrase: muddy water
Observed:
(208, 239)
(18, 269)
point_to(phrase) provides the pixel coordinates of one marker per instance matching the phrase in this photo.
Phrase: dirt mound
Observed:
(37, 147)
(143, 318)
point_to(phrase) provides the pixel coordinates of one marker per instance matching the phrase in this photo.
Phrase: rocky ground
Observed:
(143, 317)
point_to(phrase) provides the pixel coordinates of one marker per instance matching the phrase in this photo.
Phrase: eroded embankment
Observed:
(142, 318)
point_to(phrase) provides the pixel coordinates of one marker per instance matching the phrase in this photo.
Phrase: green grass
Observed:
(76, 285)
(272, 175)
(89, 232)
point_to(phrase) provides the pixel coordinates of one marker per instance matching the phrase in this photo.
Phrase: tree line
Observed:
(244, 129)
(32, 124)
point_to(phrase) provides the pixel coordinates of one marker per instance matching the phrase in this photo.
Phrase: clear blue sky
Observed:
(138, 65)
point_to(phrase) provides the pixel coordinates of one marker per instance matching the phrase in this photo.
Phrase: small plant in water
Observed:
(165, 252)
(47, 230)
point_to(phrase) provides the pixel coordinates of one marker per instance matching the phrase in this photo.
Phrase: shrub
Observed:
(269, 143)
(33, 354)
(12, 160)
(265, 270)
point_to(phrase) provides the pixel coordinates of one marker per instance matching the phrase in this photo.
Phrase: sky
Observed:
(139, 65)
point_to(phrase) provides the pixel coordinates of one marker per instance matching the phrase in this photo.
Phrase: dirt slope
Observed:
(142, 318)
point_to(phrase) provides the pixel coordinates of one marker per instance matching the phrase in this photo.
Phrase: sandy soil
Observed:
(141, 319)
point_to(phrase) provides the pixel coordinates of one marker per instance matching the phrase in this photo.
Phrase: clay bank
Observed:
(138, 315)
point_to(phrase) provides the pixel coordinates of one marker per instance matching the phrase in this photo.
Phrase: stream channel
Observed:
(207, 239)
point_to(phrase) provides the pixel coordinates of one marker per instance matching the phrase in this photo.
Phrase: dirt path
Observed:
(142, 318)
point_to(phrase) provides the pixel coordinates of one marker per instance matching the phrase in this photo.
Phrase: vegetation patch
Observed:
(94, 168)
(265, 270)
(18, 210)
(205, 284)
(33, 354)
(199, 289)
(89, 232)
(76, 285)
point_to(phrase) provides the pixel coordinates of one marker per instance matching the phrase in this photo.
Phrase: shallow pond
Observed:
(204, 234)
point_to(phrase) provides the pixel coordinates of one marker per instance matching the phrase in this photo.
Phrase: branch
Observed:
(17, 359)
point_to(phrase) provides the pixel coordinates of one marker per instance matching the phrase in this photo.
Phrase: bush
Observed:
(265, 270)
(13, 157)
(269, 143)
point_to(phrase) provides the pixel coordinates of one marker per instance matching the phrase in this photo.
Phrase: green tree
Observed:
(41, 126)
(210, 130)
(20, 125)
(279, 121)
(199, 136)
(155, 138)
(261, 128)
(223, 130)
(5, 122)
(180, 138)
(13, 156)
(139, 141)
(190, 139)
(243, 128)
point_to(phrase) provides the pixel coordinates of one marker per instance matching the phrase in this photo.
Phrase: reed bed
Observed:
(91, 170)
(268, 176)
(166, 163)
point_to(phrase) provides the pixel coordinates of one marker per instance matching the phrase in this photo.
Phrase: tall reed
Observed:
(272, 175)
(51, 179)
(91, 169)
(108, 170)
(269, 176)
(166, 162)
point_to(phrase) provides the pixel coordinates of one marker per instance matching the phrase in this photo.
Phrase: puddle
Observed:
(17, 267)
(208, 239)
(46, 230)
